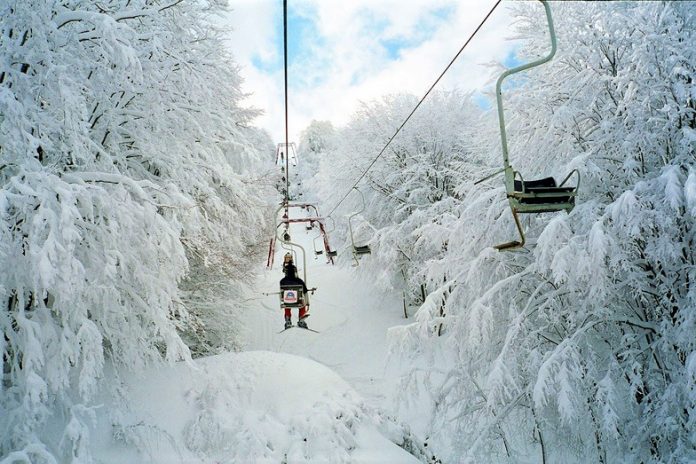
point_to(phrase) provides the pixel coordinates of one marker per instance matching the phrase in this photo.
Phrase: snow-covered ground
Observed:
(246, 407)
(295, 396)
(351, 315)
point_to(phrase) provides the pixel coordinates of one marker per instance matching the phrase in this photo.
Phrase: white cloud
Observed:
(347, 62)
(255, 25)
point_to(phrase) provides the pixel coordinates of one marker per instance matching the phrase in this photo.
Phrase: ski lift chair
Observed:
(322, 231)
(292, 296)
(358, 250)
(532, 196)
(317, 251)
(286, 152)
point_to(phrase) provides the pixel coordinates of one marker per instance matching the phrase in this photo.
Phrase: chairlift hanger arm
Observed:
(531, 196)
(292, 244)
(515, 70)
(357, 249)
(350, 218)
(330, 254)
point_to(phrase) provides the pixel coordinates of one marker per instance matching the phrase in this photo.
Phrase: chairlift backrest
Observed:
(292, 296)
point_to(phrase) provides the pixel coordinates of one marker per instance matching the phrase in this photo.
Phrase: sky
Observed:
(343, 52)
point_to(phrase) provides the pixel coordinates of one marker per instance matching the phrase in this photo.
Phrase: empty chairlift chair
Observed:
(325, 234)
(358, 250)
(317, 251)
(532, 196)
(286, 153)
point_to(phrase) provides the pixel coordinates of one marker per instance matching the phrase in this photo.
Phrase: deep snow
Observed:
(296, 396)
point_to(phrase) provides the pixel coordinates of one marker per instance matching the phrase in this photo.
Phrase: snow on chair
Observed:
(531, 196)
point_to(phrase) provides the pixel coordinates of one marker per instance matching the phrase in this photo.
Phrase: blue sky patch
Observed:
(264, 65)
(445, 13)
(393, 47)
(482, 101)
(512, 60)
(303, 40)
(425, 30)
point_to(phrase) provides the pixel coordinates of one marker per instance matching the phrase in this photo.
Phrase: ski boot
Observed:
(288, 323)
(303, 321)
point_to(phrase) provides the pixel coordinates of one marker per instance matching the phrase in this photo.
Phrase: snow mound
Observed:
(254, 406)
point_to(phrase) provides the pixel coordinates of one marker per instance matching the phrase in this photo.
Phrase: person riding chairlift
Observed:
(291, 279)
(287, 259)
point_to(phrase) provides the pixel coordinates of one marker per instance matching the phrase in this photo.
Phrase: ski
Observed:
(303, 328)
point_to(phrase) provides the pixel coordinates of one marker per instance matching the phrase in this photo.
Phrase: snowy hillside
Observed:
(255, 406)
(284, 400)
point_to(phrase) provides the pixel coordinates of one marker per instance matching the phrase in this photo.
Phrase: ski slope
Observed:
(291, 397)
(351, 315)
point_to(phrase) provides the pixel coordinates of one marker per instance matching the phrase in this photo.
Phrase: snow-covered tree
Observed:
(316, 141)
(581, 343)
(411, 188)
(124, 158)
(580, 347)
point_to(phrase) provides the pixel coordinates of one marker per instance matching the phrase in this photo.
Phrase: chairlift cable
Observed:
(285, 73)
(415, 108)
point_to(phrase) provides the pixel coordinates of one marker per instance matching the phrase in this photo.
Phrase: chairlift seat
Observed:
(362, 250)
(332, 253)
(292, 296)
(542, 195)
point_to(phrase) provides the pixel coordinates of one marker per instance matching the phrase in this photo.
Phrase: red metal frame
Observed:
(311, 220)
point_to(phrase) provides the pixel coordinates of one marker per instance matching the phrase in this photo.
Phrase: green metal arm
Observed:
(509, 176)
(510, 173)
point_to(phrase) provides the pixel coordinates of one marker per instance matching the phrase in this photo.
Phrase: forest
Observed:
(137, 199)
